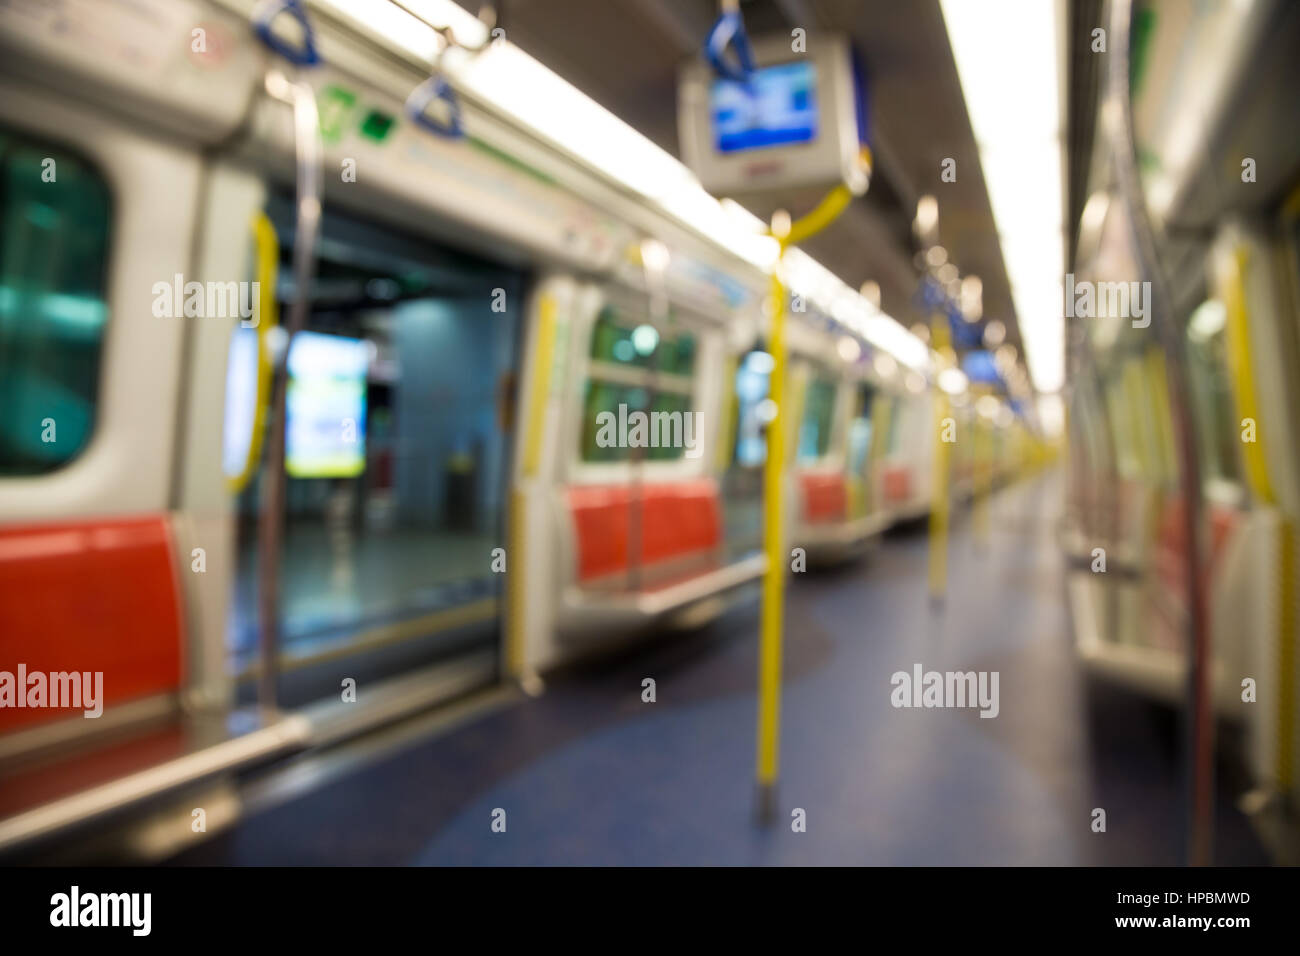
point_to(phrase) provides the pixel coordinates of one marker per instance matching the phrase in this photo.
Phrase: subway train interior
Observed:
(649, 433)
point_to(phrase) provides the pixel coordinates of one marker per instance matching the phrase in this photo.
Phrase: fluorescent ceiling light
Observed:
(513, 81)
(1051, 414)
(1006, 55)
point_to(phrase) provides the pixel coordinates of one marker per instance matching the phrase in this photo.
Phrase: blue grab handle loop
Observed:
(729, 30)
(265, 15)
(417, 106)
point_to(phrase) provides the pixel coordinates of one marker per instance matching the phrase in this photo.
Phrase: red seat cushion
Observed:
(91, 596)
(676, 519)
(898, 483)
(825, 496)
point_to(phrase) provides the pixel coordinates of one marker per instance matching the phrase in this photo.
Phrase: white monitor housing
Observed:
(795, 123)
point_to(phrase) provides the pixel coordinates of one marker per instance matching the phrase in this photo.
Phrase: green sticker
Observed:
(377, 125)
(335, 105)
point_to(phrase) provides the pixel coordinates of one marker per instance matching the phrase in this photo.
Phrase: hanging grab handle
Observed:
(435, 88)
(729, 31)
(265, 15)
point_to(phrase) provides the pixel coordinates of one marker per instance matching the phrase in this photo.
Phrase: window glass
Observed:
(54, 240)
(895, 413)
(619, 340)
(1215, 411)
(607, 397)
(637, 368)
(676, 407)
(860, 431)
(611, 342)
(753, 381)
(818, 419)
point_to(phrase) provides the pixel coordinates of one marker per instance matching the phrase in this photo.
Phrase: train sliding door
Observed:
(751, 410)
(860, 466)
(395, 459)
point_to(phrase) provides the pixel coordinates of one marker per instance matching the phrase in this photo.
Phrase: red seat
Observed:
(677, 519)
(825, 496)
(897, 480)
(91, 596)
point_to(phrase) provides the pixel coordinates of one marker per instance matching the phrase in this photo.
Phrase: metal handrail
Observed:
(1117, 112)
(308, 154)
(436, 88)
(487, 15)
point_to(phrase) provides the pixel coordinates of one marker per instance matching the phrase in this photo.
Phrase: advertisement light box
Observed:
(326, 406)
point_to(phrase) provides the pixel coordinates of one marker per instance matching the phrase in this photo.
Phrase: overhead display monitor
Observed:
(776, 108)
(326, 406)
(797, 120)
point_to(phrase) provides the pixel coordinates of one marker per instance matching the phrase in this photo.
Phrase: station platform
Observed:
(588, 774)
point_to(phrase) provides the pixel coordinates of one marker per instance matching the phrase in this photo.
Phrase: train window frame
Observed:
(634, 306)
(893, 438)
(744, 424)
(56, 149)
(817, 373)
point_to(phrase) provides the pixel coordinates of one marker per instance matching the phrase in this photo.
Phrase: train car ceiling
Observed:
(559, 113)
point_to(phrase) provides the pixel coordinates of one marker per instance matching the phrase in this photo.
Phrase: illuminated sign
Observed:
(326, 405)
(777, 107)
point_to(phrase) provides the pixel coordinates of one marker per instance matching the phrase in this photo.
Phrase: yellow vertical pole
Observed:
(773, 609)
(727, 414)
(773, 603)
(1230, 273)
(939, 501)
(880, 409)
(982, 470)
(543, 357)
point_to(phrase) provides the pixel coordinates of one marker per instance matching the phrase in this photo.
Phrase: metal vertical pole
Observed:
(306, 124)
(982, 472)
(940, 500)
(1117, 108)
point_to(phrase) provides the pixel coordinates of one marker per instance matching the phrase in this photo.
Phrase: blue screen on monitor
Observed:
(776, 108)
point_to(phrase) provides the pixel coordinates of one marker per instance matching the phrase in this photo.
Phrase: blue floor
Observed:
(588, 774)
